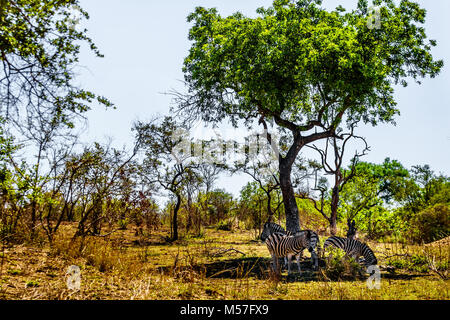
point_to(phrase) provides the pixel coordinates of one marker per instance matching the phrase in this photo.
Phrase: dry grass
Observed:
(126, 266)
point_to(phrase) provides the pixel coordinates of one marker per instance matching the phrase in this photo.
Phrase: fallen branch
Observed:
(406, 255)
(221, 252)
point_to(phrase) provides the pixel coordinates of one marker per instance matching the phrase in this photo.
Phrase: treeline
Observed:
(102, 189)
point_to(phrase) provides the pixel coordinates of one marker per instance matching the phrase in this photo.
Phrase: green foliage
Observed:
(39, 49)
(220, 204)
(415, 263)
(378, 222)
(238, 67)
(310, 218)
(442, 195)
(123, 224)
(372, 186)
(253, 209)
(431, 224)
(224, 225)
(339, 266)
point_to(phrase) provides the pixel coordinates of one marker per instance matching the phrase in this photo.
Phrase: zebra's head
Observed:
(369, 259)
(266, 231)
(371, 262)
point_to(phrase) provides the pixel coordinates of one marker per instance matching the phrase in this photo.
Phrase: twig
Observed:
(221, 252)
(397, 255)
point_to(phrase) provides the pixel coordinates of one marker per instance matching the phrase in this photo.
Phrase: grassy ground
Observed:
(219, 265)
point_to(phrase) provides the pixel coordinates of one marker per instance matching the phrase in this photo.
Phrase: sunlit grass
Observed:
(219, 265)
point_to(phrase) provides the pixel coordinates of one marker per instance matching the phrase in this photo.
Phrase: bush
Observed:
(415, 263)
(431, 224)
(123, 224)
(339, 266)
(224, 225)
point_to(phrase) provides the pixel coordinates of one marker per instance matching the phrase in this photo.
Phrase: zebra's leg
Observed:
(315, 259)
(289, 259)
(275, 263)
(298, 262)
(299, 256)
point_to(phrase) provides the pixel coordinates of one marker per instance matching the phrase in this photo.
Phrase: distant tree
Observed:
(268, 182)
(422, 188)
(39, 97)
(372, 186)
(13, 189)
(96, 175)
(307, 69)
(220, 205)
(334, 167)
(431, 224)
(163, 164)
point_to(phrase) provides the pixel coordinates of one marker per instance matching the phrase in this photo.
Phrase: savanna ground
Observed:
(218, 265)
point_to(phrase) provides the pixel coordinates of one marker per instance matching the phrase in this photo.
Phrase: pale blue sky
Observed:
(145, 42)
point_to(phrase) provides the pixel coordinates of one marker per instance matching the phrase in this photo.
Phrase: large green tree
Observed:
(307, 69)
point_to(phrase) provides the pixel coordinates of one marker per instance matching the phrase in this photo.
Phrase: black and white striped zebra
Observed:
(269, 228)
(282, 245)
(353, 248)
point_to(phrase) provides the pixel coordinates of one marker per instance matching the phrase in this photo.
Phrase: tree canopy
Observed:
(304, 66)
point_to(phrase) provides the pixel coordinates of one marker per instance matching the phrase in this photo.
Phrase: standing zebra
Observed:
(282, 245)
(271, 228)
(352, 248)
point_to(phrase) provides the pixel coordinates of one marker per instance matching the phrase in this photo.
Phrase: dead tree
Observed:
(341, 177)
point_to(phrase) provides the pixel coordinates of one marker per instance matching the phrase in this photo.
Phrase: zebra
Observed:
(282, 245)
(353, 248)
(270, 228)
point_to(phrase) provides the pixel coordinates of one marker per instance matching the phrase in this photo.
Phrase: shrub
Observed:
(415, 263)
(123, 223)
(340, 266)
(224, 225)
(431, 224)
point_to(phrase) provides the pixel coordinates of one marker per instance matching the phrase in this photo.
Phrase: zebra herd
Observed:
(285, 244)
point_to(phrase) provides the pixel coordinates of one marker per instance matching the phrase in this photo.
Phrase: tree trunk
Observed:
(97, 215)
(269, 207)
(189, 212)
(175, 218)
(290, 204)
(33, 219)
(334, 209)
